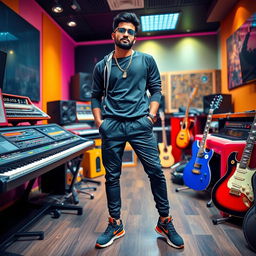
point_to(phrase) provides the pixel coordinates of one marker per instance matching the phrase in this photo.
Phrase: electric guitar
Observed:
(165, 152)
(197, 173)
(184, 136)
(249, 222)
(233, 193)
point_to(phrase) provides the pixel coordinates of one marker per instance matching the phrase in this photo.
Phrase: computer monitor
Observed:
(3, 56)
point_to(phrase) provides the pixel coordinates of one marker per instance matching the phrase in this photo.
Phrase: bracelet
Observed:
(153, 117)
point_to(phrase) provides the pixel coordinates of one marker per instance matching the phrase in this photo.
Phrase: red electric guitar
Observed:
(233, 193)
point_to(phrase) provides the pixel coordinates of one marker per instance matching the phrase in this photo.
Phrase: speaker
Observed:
(225, 106)
(92, 163)
(81, 86)
(62, 111)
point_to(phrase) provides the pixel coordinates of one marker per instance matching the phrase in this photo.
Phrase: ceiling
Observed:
(94, 17)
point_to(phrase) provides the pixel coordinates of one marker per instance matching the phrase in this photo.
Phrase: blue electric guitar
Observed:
(197, 173)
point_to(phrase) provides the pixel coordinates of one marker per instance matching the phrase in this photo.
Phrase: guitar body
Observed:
(184, 136)
(197, 174)
(165, 151)
(165, 154)
(225, 194)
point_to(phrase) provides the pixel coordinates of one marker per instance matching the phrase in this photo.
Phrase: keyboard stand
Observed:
(54, 209)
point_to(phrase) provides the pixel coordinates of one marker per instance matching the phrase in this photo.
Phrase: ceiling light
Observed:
(71, 23)
(159, 22)
(116, 5)
(57, 8)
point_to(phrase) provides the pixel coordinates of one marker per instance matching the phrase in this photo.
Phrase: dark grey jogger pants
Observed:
(139, 133)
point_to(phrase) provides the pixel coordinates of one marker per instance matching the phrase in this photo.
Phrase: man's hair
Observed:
(126, 17)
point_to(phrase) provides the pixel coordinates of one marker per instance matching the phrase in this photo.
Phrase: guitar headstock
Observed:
(215, 104)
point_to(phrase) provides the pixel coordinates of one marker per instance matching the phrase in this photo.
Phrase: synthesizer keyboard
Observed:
(27, 152)
(83, 129)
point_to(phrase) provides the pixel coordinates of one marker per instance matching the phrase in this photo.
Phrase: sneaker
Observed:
(167, 230)
(112, 232)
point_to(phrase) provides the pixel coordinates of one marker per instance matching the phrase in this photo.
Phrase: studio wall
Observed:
(243, 97)
(189, 53)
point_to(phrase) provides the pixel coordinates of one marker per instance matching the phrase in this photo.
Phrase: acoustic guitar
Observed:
(184, 136)
(165, 151)
(249, 222)
(197, 173)
(233, 193)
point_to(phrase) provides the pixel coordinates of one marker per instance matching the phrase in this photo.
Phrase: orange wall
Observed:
(51, 62)
(242, 97)
(14, 4)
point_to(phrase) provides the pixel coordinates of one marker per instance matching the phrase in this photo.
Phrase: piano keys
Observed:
(27, 152)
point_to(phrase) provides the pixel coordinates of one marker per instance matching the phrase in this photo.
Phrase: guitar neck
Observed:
(164, 138)
(249, 146)
(185, 119)
(206, 131)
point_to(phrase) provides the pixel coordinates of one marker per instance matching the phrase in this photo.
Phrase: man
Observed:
(124, 113)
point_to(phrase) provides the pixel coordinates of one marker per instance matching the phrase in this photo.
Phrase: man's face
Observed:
(124, 35)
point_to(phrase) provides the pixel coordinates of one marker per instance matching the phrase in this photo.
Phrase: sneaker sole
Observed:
(119, 235)
(160, 232)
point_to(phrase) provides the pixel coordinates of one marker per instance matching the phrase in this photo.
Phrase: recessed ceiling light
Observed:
(57, 8)
(71, 23)
(159, 22)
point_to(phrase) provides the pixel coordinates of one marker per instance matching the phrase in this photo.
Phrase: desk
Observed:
(224, 147)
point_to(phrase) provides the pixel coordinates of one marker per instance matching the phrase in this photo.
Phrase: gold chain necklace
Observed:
(124, 70)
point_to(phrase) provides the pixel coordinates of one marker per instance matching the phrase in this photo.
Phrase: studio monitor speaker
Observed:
(81, 86)
(62, 111)
(225, 106)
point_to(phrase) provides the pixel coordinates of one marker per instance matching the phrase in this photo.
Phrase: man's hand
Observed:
(97, 116)
(98, 123)
(150, 119)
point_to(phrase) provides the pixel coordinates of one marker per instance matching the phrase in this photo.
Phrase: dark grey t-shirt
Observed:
(127, 97)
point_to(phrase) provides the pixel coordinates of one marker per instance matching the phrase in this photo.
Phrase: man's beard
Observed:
(125, 46)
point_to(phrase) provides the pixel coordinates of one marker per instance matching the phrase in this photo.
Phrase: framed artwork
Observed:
(178, 86)
(241, 54)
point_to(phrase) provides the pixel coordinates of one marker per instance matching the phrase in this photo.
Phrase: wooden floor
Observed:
(74, 235)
